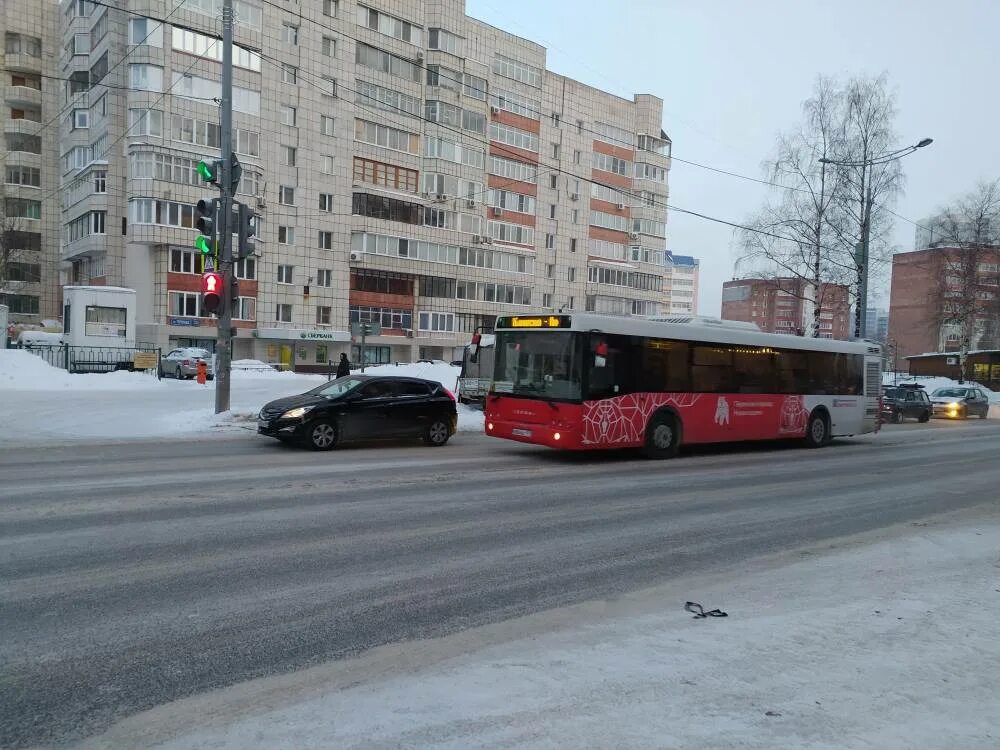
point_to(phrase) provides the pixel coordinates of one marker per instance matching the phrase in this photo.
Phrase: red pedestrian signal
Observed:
(211, 290)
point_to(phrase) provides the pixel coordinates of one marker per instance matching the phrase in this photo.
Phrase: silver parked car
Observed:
(183, 363)
(960, 402)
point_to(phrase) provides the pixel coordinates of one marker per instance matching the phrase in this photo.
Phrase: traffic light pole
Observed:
(223, 361)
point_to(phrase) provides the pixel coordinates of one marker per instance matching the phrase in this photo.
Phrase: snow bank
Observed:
(50, 405)
(886, 645)
(22, 370)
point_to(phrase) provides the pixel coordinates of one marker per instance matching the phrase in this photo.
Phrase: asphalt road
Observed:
(137, 573)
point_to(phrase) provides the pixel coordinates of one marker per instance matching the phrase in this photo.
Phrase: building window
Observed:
(245, 308)
(383, 23)
(445, 41)
(550, 241)
(330, 8)
(380, 97)
(329, 47)
(385, 175)
(286, 195)
(27, 176)
(546, 300)
(555, 150)
(550, 271)
(436, 321)
(145, 31)
(286, 235)
(326, 125)
(287, 115)
(186, 261)
(324, 314)
(571, 274)
(146, 122)
(324, 277)
(283, 313)
(326, 202)
(289, 74)
(577, 156)
(285, 274)
(98, 221)
(384, 62)
(327, 167)
(184, 304)
(612, 164)
(572, 244)
(383, 135)
(289, 34)
(552, 210)
(246, 269)
(518, 71)
(326, 240)
(146, 77)
(288, 156)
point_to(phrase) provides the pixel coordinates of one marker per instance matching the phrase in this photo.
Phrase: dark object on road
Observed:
(905, 402)
(343, 366)
(699, 611)
(959, 402)
(362, 407)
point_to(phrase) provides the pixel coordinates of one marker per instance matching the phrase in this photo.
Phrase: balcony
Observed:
(19, 62)
(27, 127)
(23, 95)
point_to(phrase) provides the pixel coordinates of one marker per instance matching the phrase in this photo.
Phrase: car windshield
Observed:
(337, 387)
(893, 393)
(546, 364)
(951, 392)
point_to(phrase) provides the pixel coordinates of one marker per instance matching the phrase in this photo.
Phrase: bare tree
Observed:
(809, 231)
(966, 296)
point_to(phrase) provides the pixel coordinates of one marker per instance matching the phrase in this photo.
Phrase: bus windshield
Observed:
(542, 364)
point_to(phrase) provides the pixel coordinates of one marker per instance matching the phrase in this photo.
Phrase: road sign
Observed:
(144, 360)
(366, 329)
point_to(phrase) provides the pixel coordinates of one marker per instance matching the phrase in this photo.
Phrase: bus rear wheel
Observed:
(818, 431)
(662, 437)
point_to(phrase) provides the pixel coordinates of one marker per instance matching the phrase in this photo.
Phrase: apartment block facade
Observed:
(411, 166)
(30, 219)
(684, 285)
(785, 305)
(943, 296)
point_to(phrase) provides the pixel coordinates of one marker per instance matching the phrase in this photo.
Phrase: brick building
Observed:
(784, 305)
(930, 290)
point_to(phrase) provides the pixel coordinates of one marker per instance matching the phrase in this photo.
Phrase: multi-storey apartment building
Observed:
(784, 305)
(29, 208)
(411, 165)
(684, 285)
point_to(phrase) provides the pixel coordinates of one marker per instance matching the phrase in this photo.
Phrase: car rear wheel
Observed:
(322, 435)
(897, 417)
(818, 432)
(178, 373)
(662, 437)
(985, 413)
(437, 433)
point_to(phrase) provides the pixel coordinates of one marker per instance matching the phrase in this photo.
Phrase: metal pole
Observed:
(364, 335)
(817, 255)
(224, 335)
(861, 313)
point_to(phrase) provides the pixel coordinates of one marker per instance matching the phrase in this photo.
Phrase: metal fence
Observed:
(84, 359)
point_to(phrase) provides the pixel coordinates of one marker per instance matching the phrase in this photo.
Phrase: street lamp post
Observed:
(861, 251)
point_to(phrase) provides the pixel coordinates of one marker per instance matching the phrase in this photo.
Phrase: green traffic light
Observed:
(204, 244)
(205, 171)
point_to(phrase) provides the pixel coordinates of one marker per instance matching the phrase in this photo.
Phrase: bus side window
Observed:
(712, 369)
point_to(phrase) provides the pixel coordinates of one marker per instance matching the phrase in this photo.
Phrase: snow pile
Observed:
(22, 370)
(49, 405)
(884, 645)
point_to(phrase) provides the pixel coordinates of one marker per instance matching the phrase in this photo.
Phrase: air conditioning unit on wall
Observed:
(355, 256)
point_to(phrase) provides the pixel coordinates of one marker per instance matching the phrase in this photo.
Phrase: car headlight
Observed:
(297, 412)
(953, 405)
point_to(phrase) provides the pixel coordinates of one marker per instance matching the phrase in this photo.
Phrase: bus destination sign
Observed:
(534, 321)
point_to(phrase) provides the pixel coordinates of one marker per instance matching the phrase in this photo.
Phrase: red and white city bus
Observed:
(583, 381)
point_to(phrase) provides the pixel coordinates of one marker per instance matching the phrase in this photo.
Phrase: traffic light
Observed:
(211, 291)
(211, 171)
(247, 229)
(207, 211)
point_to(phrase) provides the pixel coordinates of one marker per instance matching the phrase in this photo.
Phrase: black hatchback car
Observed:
(905, 401)
(361, 407)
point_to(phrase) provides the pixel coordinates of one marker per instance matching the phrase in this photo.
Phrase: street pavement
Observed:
(137, 573)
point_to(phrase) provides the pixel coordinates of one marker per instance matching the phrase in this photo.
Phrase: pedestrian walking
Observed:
(343, 367)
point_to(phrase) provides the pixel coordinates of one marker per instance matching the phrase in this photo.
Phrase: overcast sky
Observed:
(732, 73)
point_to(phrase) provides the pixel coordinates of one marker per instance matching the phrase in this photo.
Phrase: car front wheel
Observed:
(897, 417)
(925, 417)
(322, 435)
(437, 433)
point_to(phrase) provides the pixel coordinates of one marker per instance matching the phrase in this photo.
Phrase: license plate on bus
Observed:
(518, 432)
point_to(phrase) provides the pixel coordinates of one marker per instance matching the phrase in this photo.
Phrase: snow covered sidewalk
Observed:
(885, 644)
(41, 404)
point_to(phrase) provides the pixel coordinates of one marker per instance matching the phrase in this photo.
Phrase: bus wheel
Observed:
(818, 432)
(662, 437)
